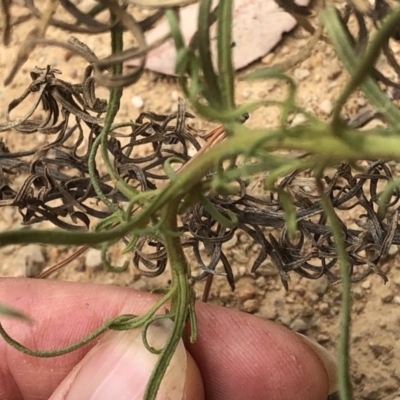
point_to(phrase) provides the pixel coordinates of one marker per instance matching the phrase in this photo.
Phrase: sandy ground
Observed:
(310, 307)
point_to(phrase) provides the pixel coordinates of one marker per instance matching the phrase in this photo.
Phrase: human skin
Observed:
(236, 356)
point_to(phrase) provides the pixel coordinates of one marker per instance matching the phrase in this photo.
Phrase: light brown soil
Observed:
(311, 307)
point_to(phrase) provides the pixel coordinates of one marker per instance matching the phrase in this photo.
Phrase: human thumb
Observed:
(119, 367)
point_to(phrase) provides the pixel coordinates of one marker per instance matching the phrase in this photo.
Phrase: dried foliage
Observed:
(158, 208)
(59, 171)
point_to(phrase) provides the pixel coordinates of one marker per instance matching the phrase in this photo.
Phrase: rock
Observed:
(300, 290)
(323, 308)
(268, 58)
(361, 101)
(93, 259)
(358, 293)
(393, 250)
(244, 238)
(326, 107)
(32, 260)
(313, 298)
(261, 282)
(307, 311)
(396, 299)
(323, 338)
(268, 312)
(137, 102)
(225, 295)
(320, 286)
(289, 300)
(299, 325)
(335, 72)
(366, 284)
(251, 306)
(301, 73)
(359, 307)
(298, 119)
(285, 320)
(378, 349)
(387, 298)
(246, 291)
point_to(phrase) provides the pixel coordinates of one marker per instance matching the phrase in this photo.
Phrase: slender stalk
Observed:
(345, 388)
(180, 302)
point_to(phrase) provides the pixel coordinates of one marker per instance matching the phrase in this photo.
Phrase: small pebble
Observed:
(313, 298)
(93, 259)
(396, 299)
(323, 308)
(323, 338)
(393, 250)
(285, 320)
(137, 102)
(289, 300)
(320, 286)
(269, 312)
(300, 290)
(361, 102)
(246, 291)
(301, 73)
(268, 58)
(298, 119)
(225, 295)
(377, 349)
(251, 306)
(387, 298)
(307, 311)
(32, 260)
(358, 293)
(366, 284)
(174, 95)
(326, 107)
(244, 238)
(335, 73)
(261, 282)
(299, 325)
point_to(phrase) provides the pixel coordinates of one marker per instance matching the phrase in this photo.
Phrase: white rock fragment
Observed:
(301, 73)
(93, 258)
(31, 260)
(137, 102)
(326, 107)
(298, 119)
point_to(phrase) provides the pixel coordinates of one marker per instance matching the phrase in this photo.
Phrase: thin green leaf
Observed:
(385, 195)
(226, 71)
(230, 222)
(360, 67)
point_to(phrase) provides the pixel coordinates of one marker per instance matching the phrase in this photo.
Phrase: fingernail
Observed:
(327, 359)
(119, 367)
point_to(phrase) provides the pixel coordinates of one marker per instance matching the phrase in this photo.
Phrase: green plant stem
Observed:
(345, 388)
(122, 322)
(180, 302)
(101, 141)
(360, 68)
(373, 144)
